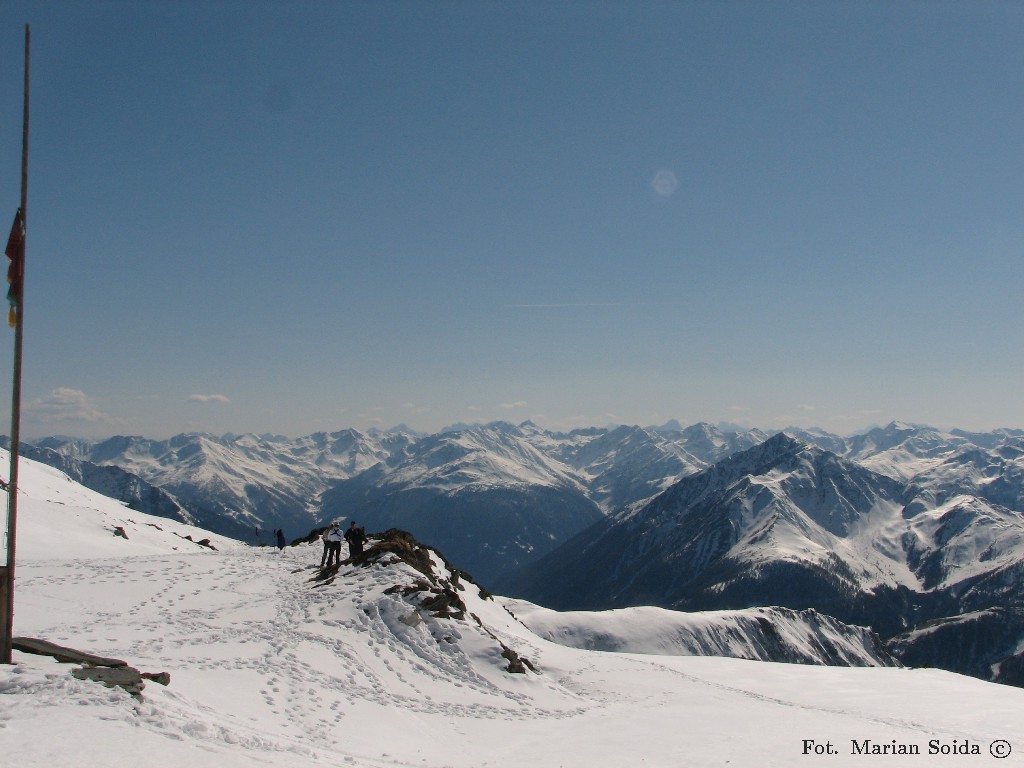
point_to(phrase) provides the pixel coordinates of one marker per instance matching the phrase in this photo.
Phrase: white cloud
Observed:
(513, 406)
(222, 399)
(66, 404)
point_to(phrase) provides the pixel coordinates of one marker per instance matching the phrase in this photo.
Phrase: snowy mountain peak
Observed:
(702, 432)
(774, 449)
(775, 494)
(672, 425)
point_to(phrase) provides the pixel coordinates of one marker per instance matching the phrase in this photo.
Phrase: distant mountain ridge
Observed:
(761, 634)
(544, 486)
(790, 524)
(240, 485)
(498, 496)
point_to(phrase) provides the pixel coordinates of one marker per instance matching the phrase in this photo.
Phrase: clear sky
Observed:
(299, 216)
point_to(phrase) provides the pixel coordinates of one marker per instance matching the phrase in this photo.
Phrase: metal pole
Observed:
(7, 592)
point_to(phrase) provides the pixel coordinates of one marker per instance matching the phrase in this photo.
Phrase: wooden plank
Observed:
(63, 654)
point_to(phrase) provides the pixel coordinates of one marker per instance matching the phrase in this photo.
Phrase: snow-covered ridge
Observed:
(760, 634)
(59, 519)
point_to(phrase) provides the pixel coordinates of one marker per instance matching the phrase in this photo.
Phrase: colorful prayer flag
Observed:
(15, 270)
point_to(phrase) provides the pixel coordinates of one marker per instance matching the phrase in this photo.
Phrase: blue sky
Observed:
(299, 216)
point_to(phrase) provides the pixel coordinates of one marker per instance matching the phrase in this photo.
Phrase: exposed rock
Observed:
(517, 665)
(313, 536)
(445, 604)
(128, 678)
(436, 594)
(201, 543)
(400, 543)
(162, 678)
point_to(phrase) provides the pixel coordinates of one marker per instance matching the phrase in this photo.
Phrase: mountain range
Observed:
(915, 532)
(939, 576)
(495, 496)
(501, 494)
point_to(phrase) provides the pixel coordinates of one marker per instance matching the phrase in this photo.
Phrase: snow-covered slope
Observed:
(495, 455)
(60, 519)
(110, 480)
(761, 634)
(941, 464)
(629, 463)
(403, 662)
(781, 502)
(903, 450)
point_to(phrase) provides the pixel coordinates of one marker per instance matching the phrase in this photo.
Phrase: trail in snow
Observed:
(269, 669)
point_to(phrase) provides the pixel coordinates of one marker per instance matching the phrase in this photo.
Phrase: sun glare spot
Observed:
(665, 183)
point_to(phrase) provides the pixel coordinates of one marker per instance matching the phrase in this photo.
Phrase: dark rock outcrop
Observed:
(436, 594)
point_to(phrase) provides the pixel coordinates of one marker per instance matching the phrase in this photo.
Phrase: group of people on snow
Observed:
(332, 538)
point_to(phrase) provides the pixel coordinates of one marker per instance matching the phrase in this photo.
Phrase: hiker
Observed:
(280, 539)
(355, 537)
(327, 546)
(334, 538)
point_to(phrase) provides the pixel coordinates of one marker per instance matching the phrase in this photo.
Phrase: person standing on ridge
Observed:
(334, 545)
(355, 537)
(280, 539)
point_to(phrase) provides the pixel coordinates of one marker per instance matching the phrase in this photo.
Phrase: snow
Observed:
(268, 668)
(60, 518)
(489, 456)
(807, 636)
(975, 537)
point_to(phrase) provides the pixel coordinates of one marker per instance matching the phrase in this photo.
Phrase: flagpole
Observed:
(7, 587)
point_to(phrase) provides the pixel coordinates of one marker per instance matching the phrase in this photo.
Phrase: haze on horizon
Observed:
(277, 218)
